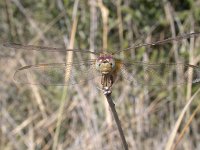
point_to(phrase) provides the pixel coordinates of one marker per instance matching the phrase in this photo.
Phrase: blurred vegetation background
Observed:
(51, 117)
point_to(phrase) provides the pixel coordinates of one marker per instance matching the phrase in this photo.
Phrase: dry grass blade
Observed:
(69, 58)
(37, 29)
(186, 127)
(105, 13)
(178, 122)
(28, 17)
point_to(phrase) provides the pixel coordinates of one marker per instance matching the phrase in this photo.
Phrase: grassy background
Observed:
(42, 117)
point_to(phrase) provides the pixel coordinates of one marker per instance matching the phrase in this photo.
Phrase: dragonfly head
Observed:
(105, 64)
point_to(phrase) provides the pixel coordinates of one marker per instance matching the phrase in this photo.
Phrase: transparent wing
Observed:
(43, 48)
(57, 74)
(162, 42)
(79, 71)
(160, 74)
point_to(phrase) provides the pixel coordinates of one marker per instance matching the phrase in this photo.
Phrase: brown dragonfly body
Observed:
(109, 67)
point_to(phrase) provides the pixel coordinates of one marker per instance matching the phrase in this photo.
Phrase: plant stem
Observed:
(115, 115)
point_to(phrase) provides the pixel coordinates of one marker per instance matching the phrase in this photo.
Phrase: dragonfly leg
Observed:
(103, 81)
(108, 80)
(111, 80)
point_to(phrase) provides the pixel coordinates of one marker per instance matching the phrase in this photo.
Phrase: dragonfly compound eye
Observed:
(112, 63)
(97, 65)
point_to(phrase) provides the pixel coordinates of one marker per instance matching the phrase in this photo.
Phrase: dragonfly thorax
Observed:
(105, 64)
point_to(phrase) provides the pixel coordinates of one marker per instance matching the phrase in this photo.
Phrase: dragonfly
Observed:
(106, 67)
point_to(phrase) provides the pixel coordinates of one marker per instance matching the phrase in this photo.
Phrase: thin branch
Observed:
(115, 115)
